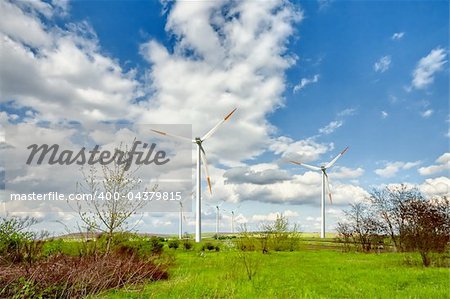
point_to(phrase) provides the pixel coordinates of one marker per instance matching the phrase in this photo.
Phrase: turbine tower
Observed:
(325, 185)
(201, 158)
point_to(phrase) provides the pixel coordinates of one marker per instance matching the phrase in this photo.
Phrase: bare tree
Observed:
(111, 209)
(344, 235)
(362, 225)
(388, 204)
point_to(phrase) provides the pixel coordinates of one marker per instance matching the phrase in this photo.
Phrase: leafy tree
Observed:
(426, 227)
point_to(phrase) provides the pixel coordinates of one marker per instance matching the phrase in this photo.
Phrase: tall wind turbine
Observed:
(325, 184)
(201, 158)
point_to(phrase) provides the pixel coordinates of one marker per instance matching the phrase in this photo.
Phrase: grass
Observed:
(307, 273)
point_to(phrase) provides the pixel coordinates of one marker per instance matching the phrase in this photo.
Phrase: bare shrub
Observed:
(64, 276)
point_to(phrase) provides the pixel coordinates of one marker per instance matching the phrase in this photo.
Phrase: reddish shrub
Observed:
(64, 276)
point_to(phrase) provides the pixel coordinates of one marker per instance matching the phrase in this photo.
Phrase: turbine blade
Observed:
(172, 135)
(214, 129)
(336, 158)
(328, 187)
(205, 165)
(315, 168)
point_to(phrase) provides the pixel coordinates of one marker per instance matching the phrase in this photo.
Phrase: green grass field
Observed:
(307, 273)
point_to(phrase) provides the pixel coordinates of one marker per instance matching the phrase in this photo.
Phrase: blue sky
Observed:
(311, 78)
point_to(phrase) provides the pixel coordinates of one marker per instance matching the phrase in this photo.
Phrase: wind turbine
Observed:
(325, 184)
(201, 158)
(218, 219)
(180, 227)
(232, 212)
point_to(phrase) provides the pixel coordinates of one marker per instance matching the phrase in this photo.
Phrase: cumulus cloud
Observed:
(392, 168)
(304, 82)
(341, 172)
(427, 67)
(67, 77)
(442, 164)
(384, 114)
(382, 64)
(397, 35)
(250, 175)
(435, 187)
(302, 150)
(301, 189)
(227, 55)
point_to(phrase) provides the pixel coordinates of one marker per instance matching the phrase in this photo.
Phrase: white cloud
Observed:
(67, 77)
(304, 82)
(442, 164)
(384, 114)
(436, 187)
(347, 112)
(427, 66)
(273, 216)
(331, 127)
(227, 54)
(427, 113)
(382, 64)
(398, 35)
(342, 172)
(299, 190)
(249, 174)
(391, 168)
(303, 150)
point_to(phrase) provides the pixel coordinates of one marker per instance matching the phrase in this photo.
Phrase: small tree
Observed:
(388, 205)
(110, 213)
(426, 227)
(344, 235)
(278, 235)
(362, 225)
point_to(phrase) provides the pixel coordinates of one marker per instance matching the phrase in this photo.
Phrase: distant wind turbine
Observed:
(325, 184)
(218, 219)
(201, 158)
(180, 228)
(233, 214)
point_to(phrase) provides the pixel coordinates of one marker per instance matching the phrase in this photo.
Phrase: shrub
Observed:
(187, 244)
(53, 247)
(65, 276)
(18, 244)
(156, 245)
(208, 246)
(174, 244)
